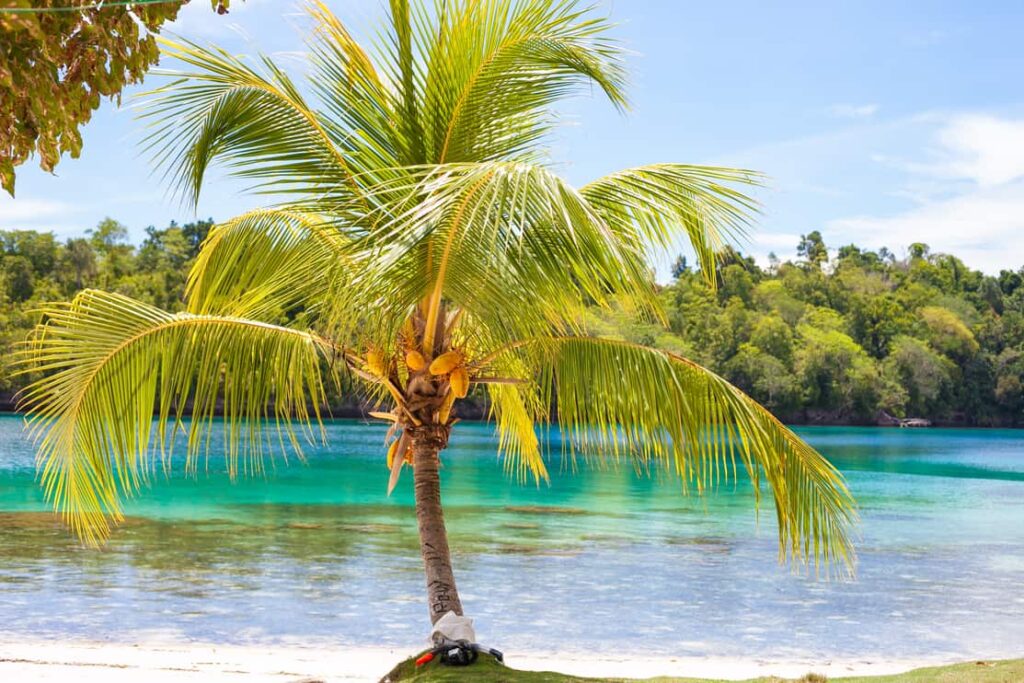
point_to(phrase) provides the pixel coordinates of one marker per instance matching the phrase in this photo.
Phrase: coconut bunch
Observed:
(425, 375)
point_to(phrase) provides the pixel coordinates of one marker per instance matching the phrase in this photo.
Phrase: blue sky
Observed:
(878, 123)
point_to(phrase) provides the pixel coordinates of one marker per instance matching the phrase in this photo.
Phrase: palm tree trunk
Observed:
(442, 596)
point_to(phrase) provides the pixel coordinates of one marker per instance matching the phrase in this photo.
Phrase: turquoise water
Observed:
(317, 552)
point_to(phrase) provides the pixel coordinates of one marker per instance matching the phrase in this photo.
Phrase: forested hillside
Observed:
(833, 340)
(840, 340)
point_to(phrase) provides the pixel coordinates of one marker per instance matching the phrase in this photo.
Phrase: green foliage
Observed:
(835, 372)
(925, 374)
(18, 283)
(106, 355)
(857, 335)
(947, 332)
(812, 249)
(57, 66)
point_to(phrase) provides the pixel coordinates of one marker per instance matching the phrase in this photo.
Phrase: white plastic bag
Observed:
(453, 627)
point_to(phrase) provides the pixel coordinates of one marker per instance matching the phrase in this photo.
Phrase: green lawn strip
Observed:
(487, 670)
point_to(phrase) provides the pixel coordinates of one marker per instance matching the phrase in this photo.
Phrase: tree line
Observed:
(832, 337)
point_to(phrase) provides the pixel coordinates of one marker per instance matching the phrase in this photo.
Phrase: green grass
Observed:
(487, 670)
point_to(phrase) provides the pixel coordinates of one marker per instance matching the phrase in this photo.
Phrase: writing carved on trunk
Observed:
(428, 441)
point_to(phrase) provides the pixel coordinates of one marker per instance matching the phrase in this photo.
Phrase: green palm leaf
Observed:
(512, 243)
(108, 360)
(661, 411)
(267, 261)
(354, 94)
(495, 69)
(668, 201)
(258, 122)
(516, 412)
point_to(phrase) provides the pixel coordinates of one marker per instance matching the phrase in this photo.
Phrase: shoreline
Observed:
(188, 662)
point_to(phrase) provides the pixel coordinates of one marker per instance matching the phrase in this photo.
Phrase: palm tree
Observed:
(421, 243)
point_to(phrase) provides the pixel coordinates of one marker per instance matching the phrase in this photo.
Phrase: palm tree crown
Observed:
(423, 244)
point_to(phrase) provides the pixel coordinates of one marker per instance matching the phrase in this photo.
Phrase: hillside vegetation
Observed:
(835, 337)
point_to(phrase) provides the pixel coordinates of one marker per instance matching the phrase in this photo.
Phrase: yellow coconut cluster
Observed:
(453, 364)
(450, 365)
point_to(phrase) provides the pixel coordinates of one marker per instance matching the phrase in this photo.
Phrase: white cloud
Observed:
(983, 227)
(984, 149)
(853, 111)
(197, 20)
(775, 241)
(16, 213)
(974, 203)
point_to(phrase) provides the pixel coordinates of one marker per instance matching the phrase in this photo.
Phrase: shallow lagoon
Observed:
(317, 552)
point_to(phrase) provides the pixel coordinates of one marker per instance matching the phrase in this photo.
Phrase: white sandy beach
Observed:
(88, 662)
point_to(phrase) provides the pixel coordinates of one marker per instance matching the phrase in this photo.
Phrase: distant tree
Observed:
(812, 249)
(774, 337)
(875, 321)
(1009, 281)
(974, 395)
(680, 267)
(764, 377)
(992, 294)
(918, 251)
(852, 254)
(18, 277)
(729, 255)
(836, 373)
(947, 332)
(806, 283)
(735, 281)
(773, 296)
(196, 232)
(925, 374)
(108, 236)
(39, 248)
(1009, 389)
(164, 256)
(77, 263)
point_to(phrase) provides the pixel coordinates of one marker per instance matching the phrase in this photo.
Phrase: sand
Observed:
(167, 662)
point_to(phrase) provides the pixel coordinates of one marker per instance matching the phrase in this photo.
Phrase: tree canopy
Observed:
(56, 66)
(841, 340)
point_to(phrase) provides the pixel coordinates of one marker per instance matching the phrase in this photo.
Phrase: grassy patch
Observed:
(487, 670)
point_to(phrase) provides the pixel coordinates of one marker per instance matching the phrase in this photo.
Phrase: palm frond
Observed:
(268, 261)
(495, 68)
(658, 410)
(513, 244)
(518, 444)
(407, 72)
(344, 76)
(108, 361)
(670, 202)
(256, 122)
